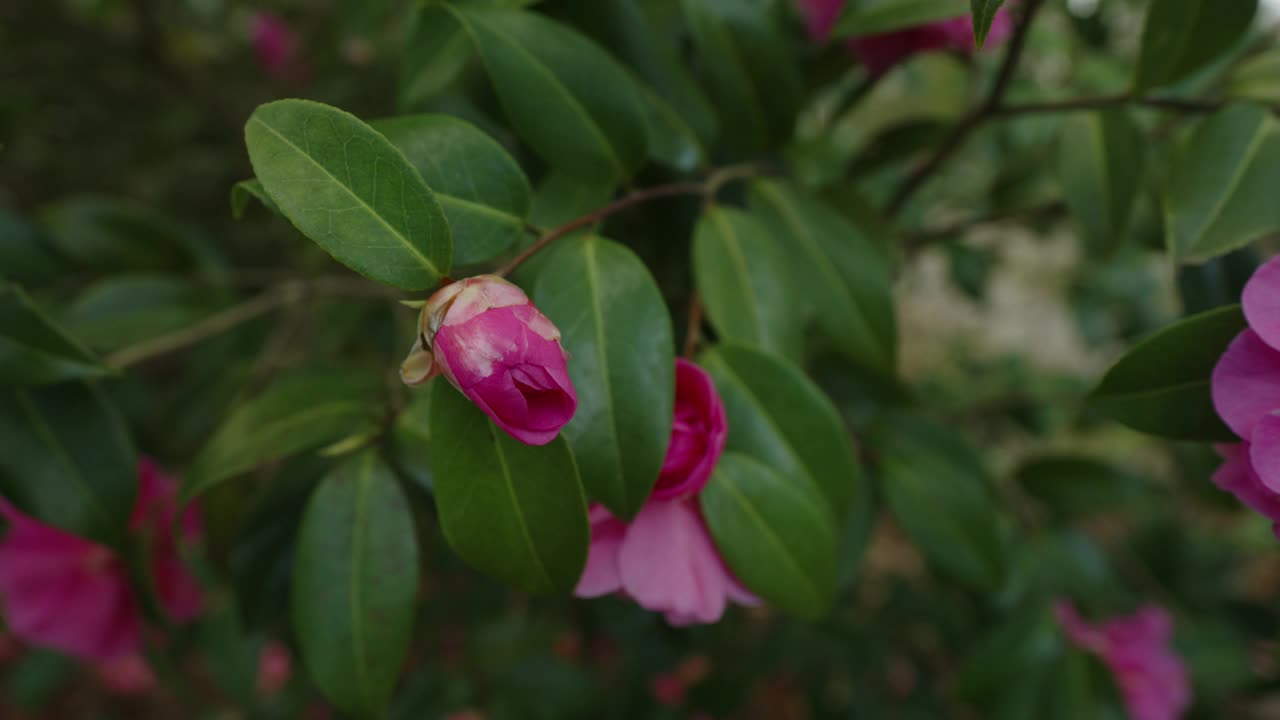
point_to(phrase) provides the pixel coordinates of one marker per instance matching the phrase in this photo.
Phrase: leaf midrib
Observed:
(480, 208)
(515, 504)
(1230, 188)
(772, 537)
(731, 244)
(597, 316)
(349, 191)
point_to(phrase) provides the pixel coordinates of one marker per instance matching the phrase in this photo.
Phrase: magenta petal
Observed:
(1264, 451)
(601, 575)
(1261, 300)
(820, 16)
(669, 564)
(1246, 383)
(1237, 477)
(698, 434)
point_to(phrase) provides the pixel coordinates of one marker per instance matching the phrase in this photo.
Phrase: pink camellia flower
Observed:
(277, 47)
(882, 51)
(126, 675)
(65, 592)
(1246, 393)
(275, 667)
(665, 559)
(1135, 648)
(489, 341)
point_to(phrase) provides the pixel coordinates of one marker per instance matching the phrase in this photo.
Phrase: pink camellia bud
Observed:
(666, 559)
(489, 341)
(1136, 649)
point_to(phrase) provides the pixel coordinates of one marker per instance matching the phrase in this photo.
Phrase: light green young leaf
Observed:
(246, 190)
(1257, 78)
(345, 186)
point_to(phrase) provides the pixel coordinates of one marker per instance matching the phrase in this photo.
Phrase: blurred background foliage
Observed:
(121, 136)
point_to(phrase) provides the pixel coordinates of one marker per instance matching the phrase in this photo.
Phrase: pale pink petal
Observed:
(601, 575)
(1246, 383)
(669, 564)
(1261, 300)
(1264, 451)
(1237, 477)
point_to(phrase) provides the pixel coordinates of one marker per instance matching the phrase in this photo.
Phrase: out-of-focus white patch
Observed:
(1082, 8)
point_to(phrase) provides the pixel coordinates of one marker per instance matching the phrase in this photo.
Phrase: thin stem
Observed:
(636, 198)
(1180, 105)
(693, 333)
(975, 117)
(1036, 212)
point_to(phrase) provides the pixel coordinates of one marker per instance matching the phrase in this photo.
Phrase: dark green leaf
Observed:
(1161, 385)
(126, 309)
(67, 458)
(296, 413)
(25, 253)
(742, 275)
(574, 104)
(748, 71)
(246, 190)
(515, 511)
(350, 190)
(671, 141)
(847, 279)
(1100, 166)
(483, 192)
(354, 584)
(34, 350)
(436, 49)
(779, 417)
(1072, 485)
(872, 17)
(105, 233)
(411, 439)
(940, 492)
(1221, 190)
(1028, 638)
(617, 331)
(984, 12)
(775, 532)
(1182, 36)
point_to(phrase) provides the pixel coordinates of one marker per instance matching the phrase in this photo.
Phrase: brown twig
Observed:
(693, 333)
(974, 118)
(1181, 105)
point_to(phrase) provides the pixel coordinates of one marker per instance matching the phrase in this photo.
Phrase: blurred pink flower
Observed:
(1246, 393)
(1136, 649)
(882, 51)
(277, 47)
(62, 591)
(126, 675)
(275, 667)
(489, 341)
(665, 559)
(668, 689)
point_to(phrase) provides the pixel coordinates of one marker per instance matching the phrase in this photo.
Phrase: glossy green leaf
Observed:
(741, 273)
(775, 532)
(36, 351)
(298, 412)
(351, 191)
(514, 511)
(1182, 36)
(872, 17)
(1074, 485)
(940, 492)
(1257, 78)
(26, 255)
(848, 282)
(354, 584)
(616, 328)
(483, 192)
(573, 103)
(984, 12)
(747, 70)
(778, 416)
(126, 309)
(246, 190)
(436, 49)
(671, 141)
(66, 457)
(1161, 385)
(1221, 190)
(1100, 166)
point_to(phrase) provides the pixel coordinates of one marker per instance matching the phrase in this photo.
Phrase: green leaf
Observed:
(345, 186)
(617, 331)
(106, 233)
(1221, 189)
(872, 17)
(742, 275)
(984, 12)
(67, 458)
(26, 255)
(847, 280)
(1182, 36)
(1100, 166)
(749, 73)
(778, 416)
(774, 532)
(126, 309)
(671, 141)
(246, 190)
(1073, 485)
(411, 439)
(514, 511)
(939, 491)
(36, 351)
(1257, 78)
(354, 583)
(436, 49)
(483, 192)
(298, 412)
(573, 103)
(1161, 385)
(1029, 637)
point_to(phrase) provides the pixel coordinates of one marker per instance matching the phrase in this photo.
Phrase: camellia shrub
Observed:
(701, 358)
